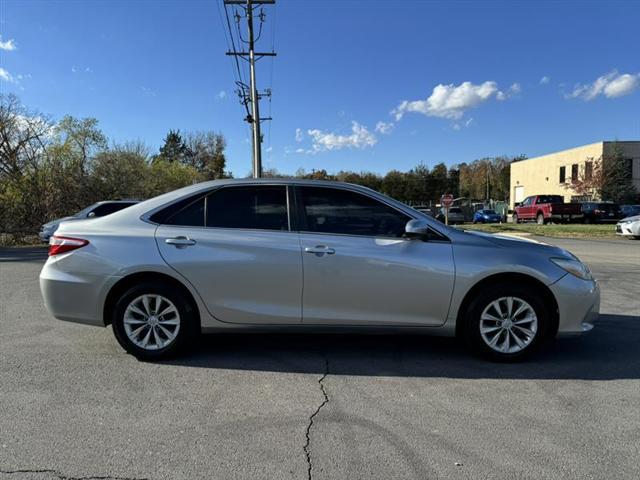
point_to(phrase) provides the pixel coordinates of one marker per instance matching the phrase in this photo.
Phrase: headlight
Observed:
(574, 267)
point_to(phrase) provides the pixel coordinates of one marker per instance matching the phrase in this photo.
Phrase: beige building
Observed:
(553, 173)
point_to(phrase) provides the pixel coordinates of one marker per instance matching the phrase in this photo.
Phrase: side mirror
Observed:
(517, 204)
(417, 229)
(91, 214)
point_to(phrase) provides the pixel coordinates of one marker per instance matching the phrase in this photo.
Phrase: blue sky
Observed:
(449, 81)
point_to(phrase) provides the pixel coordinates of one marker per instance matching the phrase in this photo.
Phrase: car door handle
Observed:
(180, 241)
(320, 250)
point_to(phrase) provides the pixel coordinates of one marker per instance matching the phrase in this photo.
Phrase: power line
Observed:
(253, 97)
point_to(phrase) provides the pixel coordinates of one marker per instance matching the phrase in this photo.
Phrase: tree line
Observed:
(50, 169)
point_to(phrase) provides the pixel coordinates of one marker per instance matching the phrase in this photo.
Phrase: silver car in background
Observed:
(297, 255)
(98, 209)
(629, 227)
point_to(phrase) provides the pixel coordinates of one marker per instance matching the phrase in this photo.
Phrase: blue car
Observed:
(487, 216)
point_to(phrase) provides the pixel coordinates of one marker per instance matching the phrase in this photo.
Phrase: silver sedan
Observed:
(298, 255)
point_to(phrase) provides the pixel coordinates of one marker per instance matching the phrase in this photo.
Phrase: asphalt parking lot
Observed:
(73, 405)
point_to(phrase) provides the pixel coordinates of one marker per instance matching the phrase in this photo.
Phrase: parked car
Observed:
(99, 209)
(234, 255)
(456, 215)
(487, 216)
(602, 212)
(425, 210)
(629, 227)
(629, 210)
(545, 208)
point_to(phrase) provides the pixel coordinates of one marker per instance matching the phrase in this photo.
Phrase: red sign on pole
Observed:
(447, 200)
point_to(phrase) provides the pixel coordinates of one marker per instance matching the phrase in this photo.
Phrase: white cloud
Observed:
(6, 76)
(299, 135)
(360, 138)
(611, 85)
(221, 95)
(73, 69)
(622, 85)
(513, 90)
(384, 127)
(469, 122)
(8, 45)
(299, 150)
(148, 91)
(544, 80)
(449, 101)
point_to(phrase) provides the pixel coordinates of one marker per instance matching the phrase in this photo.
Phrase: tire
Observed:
(166, 334)
(515, 218)
(481, 305)
(636, 237)
(588, 221)
(540, 219)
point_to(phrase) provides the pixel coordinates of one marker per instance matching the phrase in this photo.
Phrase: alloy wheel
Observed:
(508, 325)
(151, 321)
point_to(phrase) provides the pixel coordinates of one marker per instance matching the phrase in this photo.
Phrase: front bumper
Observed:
(624, 229)
(578, 304)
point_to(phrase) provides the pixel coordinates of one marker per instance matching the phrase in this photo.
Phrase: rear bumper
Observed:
(578, 304)
(74, 297)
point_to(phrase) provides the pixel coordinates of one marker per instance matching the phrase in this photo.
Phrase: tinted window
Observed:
(455, 210)
(550, 199)
(330, 210)
(190, 215)
(162, 216)
(107, 208)
(489, 212)
(262, 207)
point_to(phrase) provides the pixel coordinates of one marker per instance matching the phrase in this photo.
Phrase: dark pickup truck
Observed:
(546, 208)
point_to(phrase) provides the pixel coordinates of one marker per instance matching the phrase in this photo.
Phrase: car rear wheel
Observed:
(506, 322)
(153, 321)
(540, 219)
(515, 218)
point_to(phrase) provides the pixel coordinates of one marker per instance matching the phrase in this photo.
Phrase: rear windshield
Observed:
(455, 210)
(489, 212)
(550, 199)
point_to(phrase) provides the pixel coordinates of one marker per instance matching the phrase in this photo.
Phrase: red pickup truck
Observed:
(546, 208)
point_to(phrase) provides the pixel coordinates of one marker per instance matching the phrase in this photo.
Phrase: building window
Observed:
(563, 174)
(588, 170)
(574, 173)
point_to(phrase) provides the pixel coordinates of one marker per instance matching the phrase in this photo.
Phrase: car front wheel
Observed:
(153, 321)
(506, 322)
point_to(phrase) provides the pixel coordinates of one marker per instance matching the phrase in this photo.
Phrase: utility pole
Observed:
(253, 98)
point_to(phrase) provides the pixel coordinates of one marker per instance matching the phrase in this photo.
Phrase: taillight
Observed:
(58, 245)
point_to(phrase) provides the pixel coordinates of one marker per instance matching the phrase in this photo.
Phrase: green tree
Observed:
(617, 182)
(173, 149)
(205, 152)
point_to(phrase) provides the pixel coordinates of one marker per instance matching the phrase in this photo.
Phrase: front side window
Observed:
(332, 210)
(249, 207)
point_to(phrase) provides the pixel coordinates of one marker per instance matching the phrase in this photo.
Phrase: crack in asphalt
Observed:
(61, 476)
(306, 447)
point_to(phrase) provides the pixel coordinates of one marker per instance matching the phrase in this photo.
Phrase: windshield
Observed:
(489, 212)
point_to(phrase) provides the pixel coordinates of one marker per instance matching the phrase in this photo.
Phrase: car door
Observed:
(236, 248)
(358, 268)
(525, 209)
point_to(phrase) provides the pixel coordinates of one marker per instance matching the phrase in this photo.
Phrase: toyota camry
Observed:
(242, 255)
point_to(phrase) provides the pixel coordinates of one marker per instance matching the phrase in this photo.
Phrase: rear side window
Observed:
(251, 207)
(331, 210)
(191, 215)
(182, 212)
